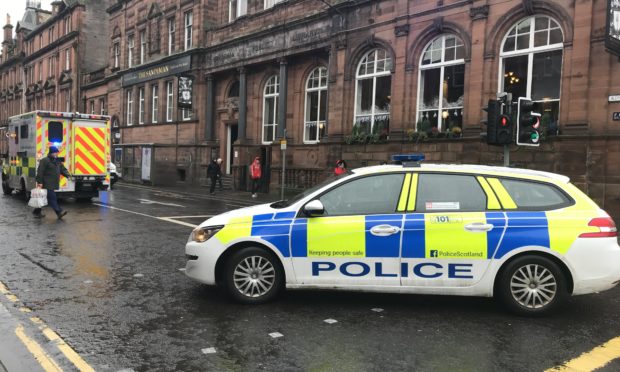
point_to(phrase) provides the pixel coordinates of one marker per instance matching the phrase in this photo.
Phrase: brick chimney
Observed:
(8, 36)
(56, 7)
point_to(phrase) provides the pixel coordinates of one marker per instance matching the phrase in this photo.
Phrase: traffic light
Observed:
(504, 130)
(499, 126)
(493, 110)
(528, 123)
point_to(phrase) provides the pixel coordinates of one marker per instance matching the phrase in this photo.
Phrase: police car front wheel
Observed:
(253, 275)
(532, 285)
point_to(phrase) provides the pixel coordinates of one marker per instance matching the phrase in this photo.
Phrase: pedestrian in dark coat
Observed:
(214, 171)
(48, 177)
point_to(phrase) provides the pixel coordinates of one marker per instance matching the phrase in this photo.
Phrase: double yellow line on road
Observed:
(47, 363)
(597, 358)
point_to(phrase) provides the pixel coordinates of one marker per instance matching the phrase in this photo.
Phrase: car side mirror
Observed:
(314, 208)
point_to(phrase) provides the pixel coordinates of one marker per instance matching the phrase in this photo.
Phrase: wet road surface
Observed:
(107, 279)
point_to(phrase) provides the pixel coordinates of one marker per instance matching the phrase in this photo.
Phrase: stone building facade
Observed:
(42, 66)
(149, 46)
(361, 80)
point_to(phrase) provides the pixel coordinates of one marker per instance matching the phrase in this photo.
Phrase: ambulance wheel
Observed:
(253, 275)
(532, 286)
(23, 192)
(6, 189)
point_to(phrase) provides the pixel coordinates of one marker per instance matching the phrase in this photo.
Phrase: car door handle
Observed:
(384, 230)
(479, 227)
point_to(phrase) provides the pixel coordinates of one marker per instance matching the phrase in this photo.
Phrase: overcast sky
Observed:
(16, 9)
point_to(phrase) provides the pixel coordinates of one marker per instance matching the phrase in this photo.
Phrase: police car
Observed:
(527, 237)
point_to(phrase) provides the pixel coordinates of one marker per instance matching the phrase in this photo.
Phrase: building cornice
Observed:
(116, 7)
(15, 59)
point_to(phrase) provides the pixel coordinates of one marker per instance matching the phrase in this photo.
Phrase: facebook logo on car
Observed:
(434, 253)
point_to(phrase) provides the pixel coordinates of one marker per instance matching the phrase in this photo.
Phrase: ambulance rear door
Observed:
(90, 147)
(54, 131)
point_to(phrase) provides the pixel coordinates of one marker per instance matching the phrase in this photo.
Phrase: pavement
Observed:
(196, 190)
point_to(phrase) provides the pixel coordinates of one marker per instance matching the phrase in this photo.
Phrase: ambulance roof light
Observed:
(408, 160)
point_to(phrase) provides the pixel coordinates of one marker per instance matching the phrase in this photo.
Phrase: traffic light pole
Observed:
(508, 112)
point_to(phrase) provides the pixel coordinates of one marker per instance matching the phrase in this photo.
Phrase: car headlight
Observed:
(202, 234)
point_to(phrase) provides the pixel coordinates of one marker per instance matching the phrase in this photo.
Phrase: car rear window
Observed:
(535, 195)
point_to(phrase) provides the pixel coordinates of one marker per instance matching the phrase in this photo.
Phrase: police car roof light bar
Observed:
(408, 160)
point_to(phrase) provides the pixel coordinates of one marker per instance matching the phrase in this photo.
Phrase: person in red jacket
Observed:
(341, 168)
(255, 175)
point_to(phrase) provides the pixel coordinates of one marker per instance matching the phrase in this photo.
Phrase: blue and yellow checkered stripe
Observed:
(350, 236)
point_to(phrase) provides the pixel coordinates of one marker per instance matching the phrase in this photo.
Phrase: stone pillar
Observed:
(476, 72)
(210, 104)
(331, 67)
(243, 103)
(576, 89)
(282, 98)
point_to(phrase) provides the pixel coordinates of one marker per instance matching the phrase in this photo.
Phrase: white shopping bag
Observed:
(38, 198)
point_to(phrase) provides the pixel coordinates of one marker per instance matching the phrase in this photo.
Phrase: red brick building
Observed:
(359, 81)
(41, 67)
(149, 45)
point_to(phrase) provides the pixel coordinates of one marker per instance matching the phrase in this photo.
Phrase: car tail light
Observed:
(607, 228)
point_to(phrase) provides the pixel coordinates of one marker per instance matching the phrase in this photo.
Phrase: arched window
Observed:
(234, 90)
(373, 93)
(316, 105)
(270, 109)
(531, 66)
(441, 85)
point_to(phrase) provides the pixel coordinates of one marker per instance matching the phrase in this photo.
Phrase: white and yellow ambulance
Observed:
(84, 144)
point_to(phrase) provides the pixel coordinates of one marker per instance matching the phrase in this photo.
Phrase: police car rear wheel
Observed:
(533, 285)
(253, 275)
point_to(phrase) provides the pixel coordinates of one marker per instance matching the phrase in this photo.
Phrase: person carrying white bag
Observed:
(48, 178)
(38, 198)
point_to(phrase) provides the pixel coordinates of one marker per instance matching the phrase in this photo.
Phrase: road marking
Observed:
(73, 357)
(36, 350)
(46, 362)
(594, 359)
(219, 198)
(178, 222)
(167, 219)
(146, 201)
(206, 216)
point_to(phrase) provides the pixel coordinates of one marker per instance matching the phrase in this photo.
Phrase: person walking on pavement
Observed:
(219, 175)
(255, 175)
(213, 172)
(48, 177)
